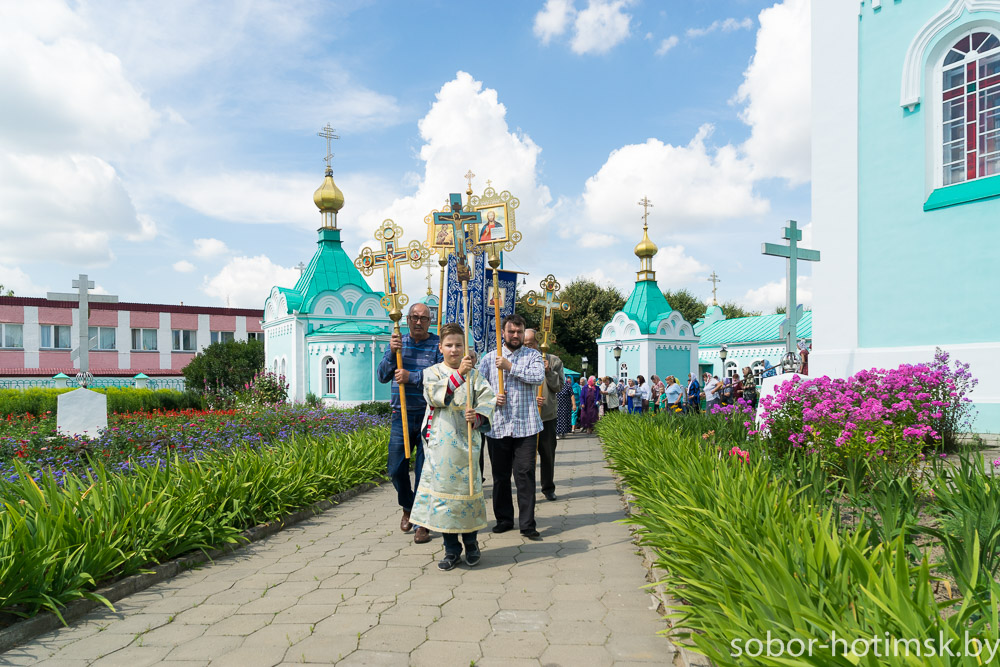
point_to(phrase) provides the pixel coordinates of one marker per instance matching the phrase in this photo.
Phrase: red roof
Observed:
(125, 305)
(96, 372)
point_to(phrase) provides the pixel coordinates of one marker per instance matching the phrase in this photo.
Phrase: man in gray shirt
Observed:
(555, 378)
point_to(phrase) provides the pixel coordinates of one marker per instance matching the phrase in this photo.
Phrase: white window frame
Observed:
(96, 337)
(3, 335)
(222, 336)
(329, 367)
(53, 337)
(255, 335)
(142, 347)
(934, 78)
(178, 337)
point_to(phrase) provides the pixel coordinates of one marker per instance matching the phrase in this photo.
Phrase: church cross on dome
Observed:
(328, 134)
(646, 205)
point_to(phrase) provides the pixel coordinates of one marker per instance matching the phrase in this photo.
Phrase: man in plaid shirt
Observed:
(515, 424)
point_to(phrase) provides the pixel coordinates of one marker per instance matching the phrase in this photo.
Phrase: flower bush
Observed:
(266, 388)
(887, 415)
(142, 439)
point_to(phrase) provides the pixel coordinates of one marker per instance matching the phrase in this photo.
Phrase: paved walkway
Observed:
(347, 587)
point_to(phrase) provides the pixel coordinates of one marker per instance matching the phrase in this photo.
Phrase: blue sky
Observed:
(169, 150)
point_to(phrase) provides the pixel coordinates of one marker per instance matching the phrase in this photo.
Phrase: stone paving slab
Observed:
(347, 587)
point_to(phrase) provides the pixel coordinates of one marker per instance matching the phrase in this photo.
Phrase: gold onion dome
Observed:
(328, 196)
(646, 247)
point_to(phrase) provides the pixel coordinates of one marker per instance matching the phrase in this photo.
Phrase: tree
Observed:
(733, 310)
(686, 303)
(230, 365)
(5, 292)
(576, 332)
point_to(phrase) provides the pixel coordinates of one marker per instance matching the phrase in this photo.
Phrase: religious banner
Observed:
(481, 317)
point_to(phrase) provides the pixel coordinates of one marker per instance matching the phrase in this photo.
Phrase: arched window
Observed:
(732, 369)
(330, 375)
(282, 368)
(970, 108)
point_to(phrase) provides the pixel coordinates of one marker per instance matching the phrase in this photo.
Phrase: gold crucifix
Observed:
(328, 134)
(714, 279)
(469, 176)
(646, 205)
(549, 302)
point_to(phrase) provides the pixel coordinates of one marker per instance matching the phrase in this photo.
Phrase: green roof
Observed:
(330, 269)
(351, 328)
(647, 305)
(758, 329)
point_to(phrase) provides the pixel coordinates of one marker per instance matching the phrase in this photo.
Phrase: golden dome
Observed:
(328, 196)
(646, 248)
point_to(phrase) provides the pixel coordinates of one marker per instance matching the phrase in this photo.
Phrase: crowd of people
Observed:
(582, 403)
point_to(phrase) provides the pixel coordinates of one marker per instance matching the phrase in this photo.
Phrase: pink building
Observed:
(37, 336)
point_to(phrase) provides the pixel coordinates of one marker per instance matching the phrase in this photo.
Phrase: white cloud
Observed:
(183, 266)
(67, 208)
(675, 268)
(776, 91)
(553, 19)
(667, 44)
(13, 278)
(687, 184)
(595, 240)
(245, 282)
(147, 229)
(767, 297)
(466, 128)
(726, 25)
(209, 248)
(601, 26)
(63, 92)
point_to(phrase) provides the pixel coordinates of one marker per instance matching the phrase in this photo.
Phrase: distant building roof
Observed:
(42, 302)
(329, 270)
(351, 328)
(759, 329)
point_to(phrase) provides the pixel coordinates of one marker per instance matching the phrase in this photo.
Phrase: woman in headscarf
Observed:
(575, 418)
(590, 397)
(566, 405)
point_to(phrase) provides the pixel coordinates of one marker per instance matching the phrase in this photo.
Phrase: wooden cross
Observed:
(390, 259)
(328, 134)
(714, 279)
(792, 252)
(459, 221)
(550, 303)
(646, 205)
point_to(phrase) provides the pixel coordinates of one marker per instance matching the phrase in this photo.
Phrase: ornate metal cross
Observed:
(550, 303)
(646, 205)
(792, 252)
(469, 176)
(390, 259)
(459, 220)
(714, 279)
(328, 134)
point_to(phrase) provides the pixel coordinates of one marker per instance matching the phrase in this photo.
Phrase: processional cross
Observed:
(390, 259)
(715, 280)
(792, 252)
(458, 220)
(550, 303)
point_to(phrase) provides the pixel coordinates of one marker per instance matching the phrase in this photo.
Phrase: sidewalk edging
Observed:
(684, 657)
(43, 622)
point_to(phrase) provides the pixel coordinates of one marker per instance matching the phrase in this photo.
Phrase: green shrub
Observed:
(375, 408)
(59, 542)
(120, 400)
(751, 551)
(230, 365)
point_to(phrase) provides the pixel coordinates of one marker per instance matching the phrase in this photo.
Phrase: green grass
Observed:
(57, 543)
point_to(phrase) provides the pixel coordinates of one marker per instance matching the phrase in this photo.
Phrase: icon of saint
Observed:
(492, 229)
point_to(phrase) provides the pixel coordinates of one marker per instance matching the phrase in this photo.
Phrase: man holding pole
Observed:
(420, 350)
(515, 424)
(555, 378)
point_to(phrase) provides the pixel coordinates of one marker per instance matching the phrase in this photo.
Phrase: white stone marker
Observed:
(82, 412)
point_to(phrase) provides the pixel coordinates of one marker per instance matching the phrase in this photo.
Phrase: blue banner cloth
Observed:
(481, 316)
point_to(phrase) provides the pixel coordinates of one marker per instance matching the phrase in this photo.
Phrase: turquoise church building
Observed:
(654, 339)
(906, 187)
(327, 334)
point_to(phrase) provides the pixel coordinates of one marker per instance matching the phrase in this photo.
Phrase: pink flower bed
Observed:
(890, 414)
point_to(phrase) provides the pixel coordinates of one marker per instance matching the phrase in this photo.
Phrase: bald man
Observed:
(420, 350)
(555, 378)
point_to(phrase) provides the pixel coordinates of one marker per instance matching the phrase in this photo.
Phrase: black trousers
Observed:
(547, 455)
(513, 456)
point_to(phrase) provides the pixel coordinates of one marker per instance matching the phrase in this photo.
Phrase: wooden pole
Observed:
(545, 350)
(468, 389)
(402, 391)
(495, 264)
(442, 262)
